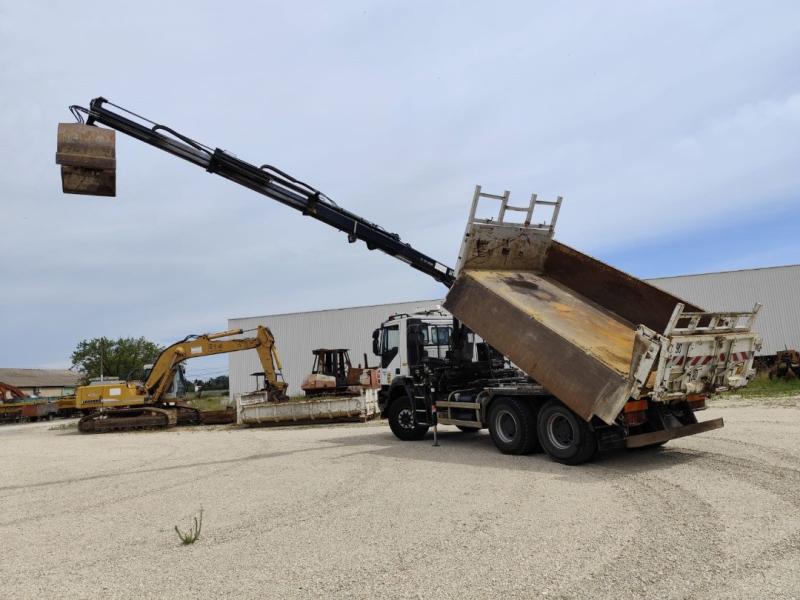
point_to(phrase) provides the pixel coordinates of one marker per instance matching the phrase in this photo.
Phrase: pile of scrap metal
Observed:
(334, 375)
(16, 405)
(786, 365)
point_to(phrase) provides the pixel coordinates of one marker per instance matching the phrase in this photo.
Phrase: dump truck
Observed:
(575, 355)
(598, 358)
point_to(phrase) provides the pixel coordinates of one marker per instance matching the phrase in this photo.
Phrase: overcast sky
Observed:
(672, 130)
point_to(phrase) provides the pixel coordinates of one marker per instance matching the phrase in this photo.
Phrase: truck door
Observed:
(389, 353)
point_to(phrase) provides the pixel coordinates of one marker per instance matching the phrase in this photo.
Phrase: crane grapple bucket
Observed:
(88, 159)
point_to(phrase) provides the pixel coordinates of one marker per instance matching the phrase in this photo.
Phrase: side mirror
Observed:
(376, 349)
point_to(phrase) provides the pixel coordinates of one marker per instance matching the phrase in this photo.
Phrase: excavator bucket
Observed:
(88, 159)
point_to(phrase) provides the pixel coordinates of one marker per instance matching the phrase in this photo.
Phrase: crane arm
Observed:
(266, 180)
(163, 371)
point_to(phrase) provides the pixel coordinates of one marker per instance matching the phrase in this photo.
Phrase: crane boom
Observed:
(266, 180)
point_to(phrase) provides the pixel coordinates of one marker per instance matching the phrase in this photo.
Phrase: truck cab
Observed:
(403, 340)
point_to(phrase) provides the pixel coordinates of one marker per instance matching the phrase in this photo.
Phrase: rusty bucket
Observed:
(88, 159)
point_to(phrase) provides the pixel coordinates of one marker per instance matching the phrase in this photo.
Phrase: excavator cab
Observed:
(177, 390)
(87, 156)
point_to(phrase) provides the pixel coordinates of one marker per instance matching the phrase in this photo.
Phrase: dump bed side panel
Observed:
(632, 299)
(511, 322)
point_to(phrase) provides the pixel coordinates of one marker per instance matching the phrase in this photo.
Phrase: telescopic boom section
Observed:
(163, 371)
(266, 180)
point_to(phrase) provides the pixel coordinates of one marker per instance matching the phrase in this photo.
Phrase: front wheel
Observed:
(565, 437)
(402, 421)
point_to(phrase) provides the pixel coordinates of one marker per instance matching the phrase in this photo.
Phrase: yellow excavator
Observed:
(156, 403)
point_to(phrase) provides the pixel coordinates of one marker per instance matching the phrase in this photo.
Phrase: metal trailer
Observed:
(28, 409)
(632, 361)
(257, 408)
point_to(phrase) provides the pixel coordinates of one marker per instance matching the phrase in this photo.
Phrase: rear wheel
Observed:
(402, 421)
(565, 437)
(512, 425)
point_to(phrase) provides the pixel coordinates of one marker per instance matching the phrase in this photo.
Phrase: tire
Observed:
(512, 425)
(401, 421)
(468, 429)
(565, 437)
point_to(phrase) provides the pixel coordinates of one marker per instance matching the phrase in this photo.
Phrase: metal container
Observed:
(257, 408)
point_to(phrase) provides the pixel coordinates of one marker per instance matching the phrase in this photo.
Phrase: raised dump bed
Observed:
(258, 408)
(593, 335)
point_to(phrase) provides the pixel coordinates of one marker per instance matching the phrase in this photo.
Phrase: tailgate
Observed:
(699, 353)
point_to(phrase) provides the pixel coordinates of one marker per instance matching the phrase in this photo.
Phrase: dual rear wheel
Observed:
(520, 427)
(517, 426)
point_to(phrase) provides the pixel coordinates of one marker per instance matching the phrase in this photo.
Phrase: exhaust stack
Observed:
(88, 161)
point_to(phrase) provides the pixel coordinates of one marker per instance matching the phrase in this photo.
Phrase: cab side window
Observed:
(390, 342)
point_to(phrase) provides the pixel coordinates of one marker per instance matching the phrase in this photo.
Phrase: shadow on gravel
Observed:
(456, 448)
(478, 451)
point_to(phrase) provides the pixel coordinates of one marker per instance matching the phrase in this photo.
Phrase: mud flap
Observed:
(647, 439)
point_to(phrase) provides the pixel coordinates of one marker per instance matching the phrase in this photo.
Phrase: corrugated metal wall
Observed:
(297, 334)
(777, 288)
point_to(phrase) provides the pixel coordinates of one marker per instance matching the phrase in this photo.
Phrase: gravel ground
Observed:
(348, 511)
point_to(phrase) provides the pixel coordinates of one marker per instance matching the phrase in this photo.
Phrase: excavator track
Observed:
(127, 419)
(188, 415)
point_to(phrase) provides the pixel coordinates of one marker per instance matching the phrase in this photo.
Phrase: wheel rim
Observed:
(405, 418)
(560, 431)
(506, 425)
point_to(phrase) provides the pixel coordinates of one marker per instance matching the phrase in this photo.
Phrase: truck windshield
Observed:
(437, 340)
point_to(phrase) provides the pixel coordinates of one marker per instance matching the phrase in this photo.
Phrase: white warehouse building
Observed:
(297, 334)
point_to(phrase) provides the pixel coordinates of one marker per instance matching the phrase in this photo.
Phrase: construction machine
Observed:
(786, 365)
(333, 373)
(11, 393)
(602, 359)
(156, 403)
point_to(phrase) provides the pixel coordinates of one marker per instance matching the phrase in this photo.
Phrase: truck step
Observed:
(462, 423)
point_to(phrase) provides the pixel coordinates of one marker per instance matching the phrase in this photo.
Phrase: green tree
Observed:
(117, 358)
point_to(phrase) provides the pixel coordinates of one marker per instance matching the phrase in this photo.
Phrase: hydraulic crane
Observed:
(119, 406)
(87, 156)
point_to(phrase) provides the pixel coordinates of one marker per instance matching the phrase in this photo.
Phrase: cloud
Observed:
(655, 122)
